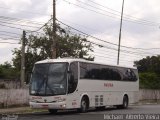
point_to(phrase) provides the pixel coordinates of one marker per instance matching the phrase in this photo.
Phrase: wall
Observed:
(148, 94)
(13, 97)
(10, 83)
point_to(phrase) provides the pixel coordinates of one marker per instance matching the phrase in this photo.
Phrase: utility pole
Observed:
(119, 45)
(23, 59)
(53, 47)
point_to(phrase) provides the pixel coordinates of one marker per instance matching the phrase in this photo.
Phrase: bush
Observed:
(149, 80)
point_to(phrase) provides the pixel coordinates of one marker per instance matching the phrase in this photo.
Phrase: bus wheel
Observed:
(53, 111)
(84, 105)
(125, 102)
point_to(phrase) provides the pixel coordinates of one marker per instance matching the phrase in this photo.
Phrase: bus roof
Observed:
(69, 60)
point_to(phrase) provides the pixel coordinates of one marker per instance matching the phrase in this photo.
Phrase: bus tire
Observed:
(125, 103)
(52, 111)
(84, 105)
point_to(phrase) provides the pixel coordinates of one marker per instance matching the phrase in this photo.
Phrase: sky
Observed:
(99, 18)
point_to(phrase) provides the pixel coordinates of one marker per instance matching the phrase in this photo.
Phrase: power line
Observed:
(31, 31)
(10, 32)
(80, 25)
(41, 26)
(19, 20)
(2, 34)
(110, 53)
(88, 35)
(130, 20)
(96, 31)
(17, 24)
(24, 11)
(123, 51)
(12, 27)
(17, 28)
(88, 9)
(124, 14)
(97, 8)
(108, 47)
(133, 21)
(12, 38)
(110, 58)
(9, 43)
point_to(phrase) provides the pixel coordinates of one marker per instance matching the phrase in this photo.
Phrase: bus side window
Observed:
(73, 77)
(129, 75)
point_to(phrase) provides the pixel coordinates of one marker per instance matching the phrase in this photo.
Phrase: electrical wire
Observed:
(2, 34)
(41, 26)
(123, 14)
(19, 20)
(9, 42)
(138, 22)
(11, 38)
(88, 35)
(36, 13)
(10, 32)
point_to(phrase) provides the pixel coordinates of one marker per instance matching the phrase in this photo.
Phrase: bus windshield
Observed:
(49, 79)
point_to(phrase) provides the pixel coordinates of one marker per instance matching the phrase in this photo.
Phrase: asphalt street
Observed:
(138, 112)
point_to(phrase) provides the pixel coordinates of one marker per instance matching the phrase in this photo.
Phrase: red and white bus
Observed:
(79, 84)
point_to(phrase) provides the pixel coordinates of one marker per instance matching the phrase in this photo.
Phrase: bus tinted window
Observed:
(104, 72)
(129, 75)
(100, 72)
(83, 70)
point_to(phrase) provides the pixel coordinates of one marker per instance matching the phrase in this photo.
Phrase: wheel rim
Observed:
(84, 105)
(125, 102)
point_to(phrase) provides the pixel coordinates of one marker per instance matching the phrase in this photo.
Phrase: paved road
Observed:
(139, 111)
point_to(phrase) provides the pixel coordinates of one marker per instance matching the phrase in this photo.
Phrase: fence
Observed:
(10, 97)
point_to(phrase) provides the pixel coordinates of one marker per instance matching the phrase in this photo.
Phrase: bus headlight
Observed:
(61, 100)
(63, 106)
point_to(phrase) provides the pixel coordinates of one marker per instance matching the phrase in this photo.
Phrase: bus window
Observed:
(83, 70)
(129, 75)
(98, 72)
(73, 77)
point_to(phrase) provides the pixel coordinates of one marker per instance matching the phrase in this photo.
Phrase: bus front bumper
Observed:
(57, 105)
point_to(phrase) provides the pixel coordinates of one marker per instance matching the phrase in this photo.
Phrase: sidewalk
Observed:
(19, 110)
(14, 110)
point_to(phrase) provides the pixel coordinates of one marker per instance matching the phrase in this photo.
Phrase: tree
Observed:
(149, 64)
(7, 71)
(149, 72)
(38, 47)
(149, 80)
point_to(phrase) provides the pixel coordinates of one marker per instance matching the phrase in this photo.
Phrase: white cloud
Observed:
(14, 4)
(106, 28)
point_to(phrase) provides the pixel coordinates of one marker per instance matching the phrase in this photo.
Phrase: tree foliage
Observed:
(149, 80)
(38, 47)
(7, 71)
(149, 64)
(149, 72)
